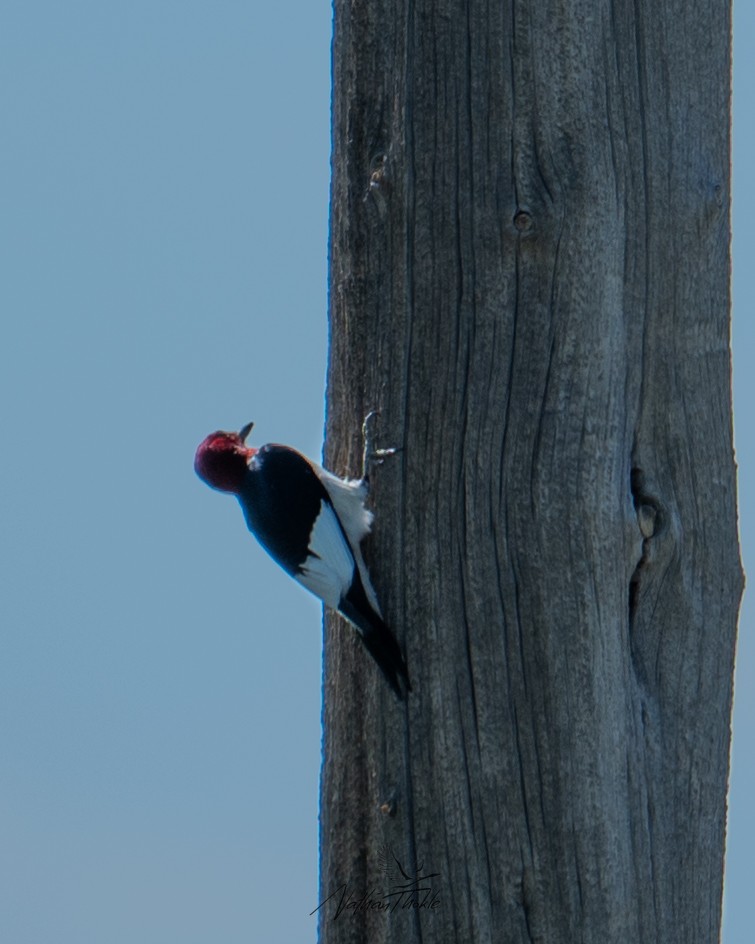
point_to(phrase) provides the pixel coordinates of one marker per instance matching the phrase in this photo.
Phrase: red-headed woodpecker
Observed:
(311, 522)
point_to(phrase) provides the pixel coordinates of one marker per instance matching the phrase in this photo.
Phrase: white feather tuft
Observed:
(348, 497)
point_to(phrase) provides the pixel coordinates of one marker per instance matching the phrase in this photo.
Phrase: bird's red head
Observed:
(222, 459)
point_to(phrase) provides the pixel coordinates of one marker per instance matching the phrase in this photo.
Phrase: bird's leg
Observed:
(371, 453)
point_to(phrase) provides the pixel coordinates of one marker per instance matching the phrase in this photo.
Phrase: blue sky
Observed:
(164, 176)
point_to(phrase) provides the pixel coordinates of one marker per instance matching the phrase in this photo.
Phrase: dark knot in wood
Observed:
(522, 221)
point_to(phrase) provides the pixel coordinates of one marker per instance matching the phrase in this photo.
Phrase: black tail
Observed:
(379, 640)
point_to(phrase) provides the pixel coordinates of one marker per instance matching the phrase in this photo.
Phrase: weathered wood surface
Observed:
(530, 278)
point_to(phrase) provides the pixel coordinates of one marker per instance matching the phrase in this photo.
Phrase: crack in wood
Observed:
(650, 520)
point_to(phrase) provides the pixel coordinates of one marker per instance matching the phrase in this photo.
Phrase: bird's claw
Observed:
(371, 454)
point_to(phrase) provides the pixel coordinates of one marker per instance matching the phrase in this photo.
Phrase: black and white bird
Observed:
(312, 523)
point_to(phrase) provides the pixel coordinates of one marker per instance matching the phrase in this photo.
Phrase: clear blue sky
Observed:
(163, 225)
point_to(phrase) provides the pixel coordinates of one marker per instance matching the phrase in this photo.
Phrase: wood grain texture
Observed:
(530, 278)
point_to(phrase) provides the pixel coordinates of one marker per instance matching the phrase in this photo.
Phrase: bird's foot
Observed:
(371, 454)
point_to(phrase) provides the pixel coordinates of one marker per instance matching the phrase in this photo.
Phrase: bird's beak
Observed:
(244, 431)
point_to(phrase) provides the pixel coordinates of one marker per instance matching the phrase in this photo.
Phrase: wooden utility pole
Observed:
(530, 279)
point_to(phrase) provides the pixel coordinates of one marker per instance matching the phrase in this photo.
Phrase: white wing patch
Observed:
(328, 570)
(348, 497)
